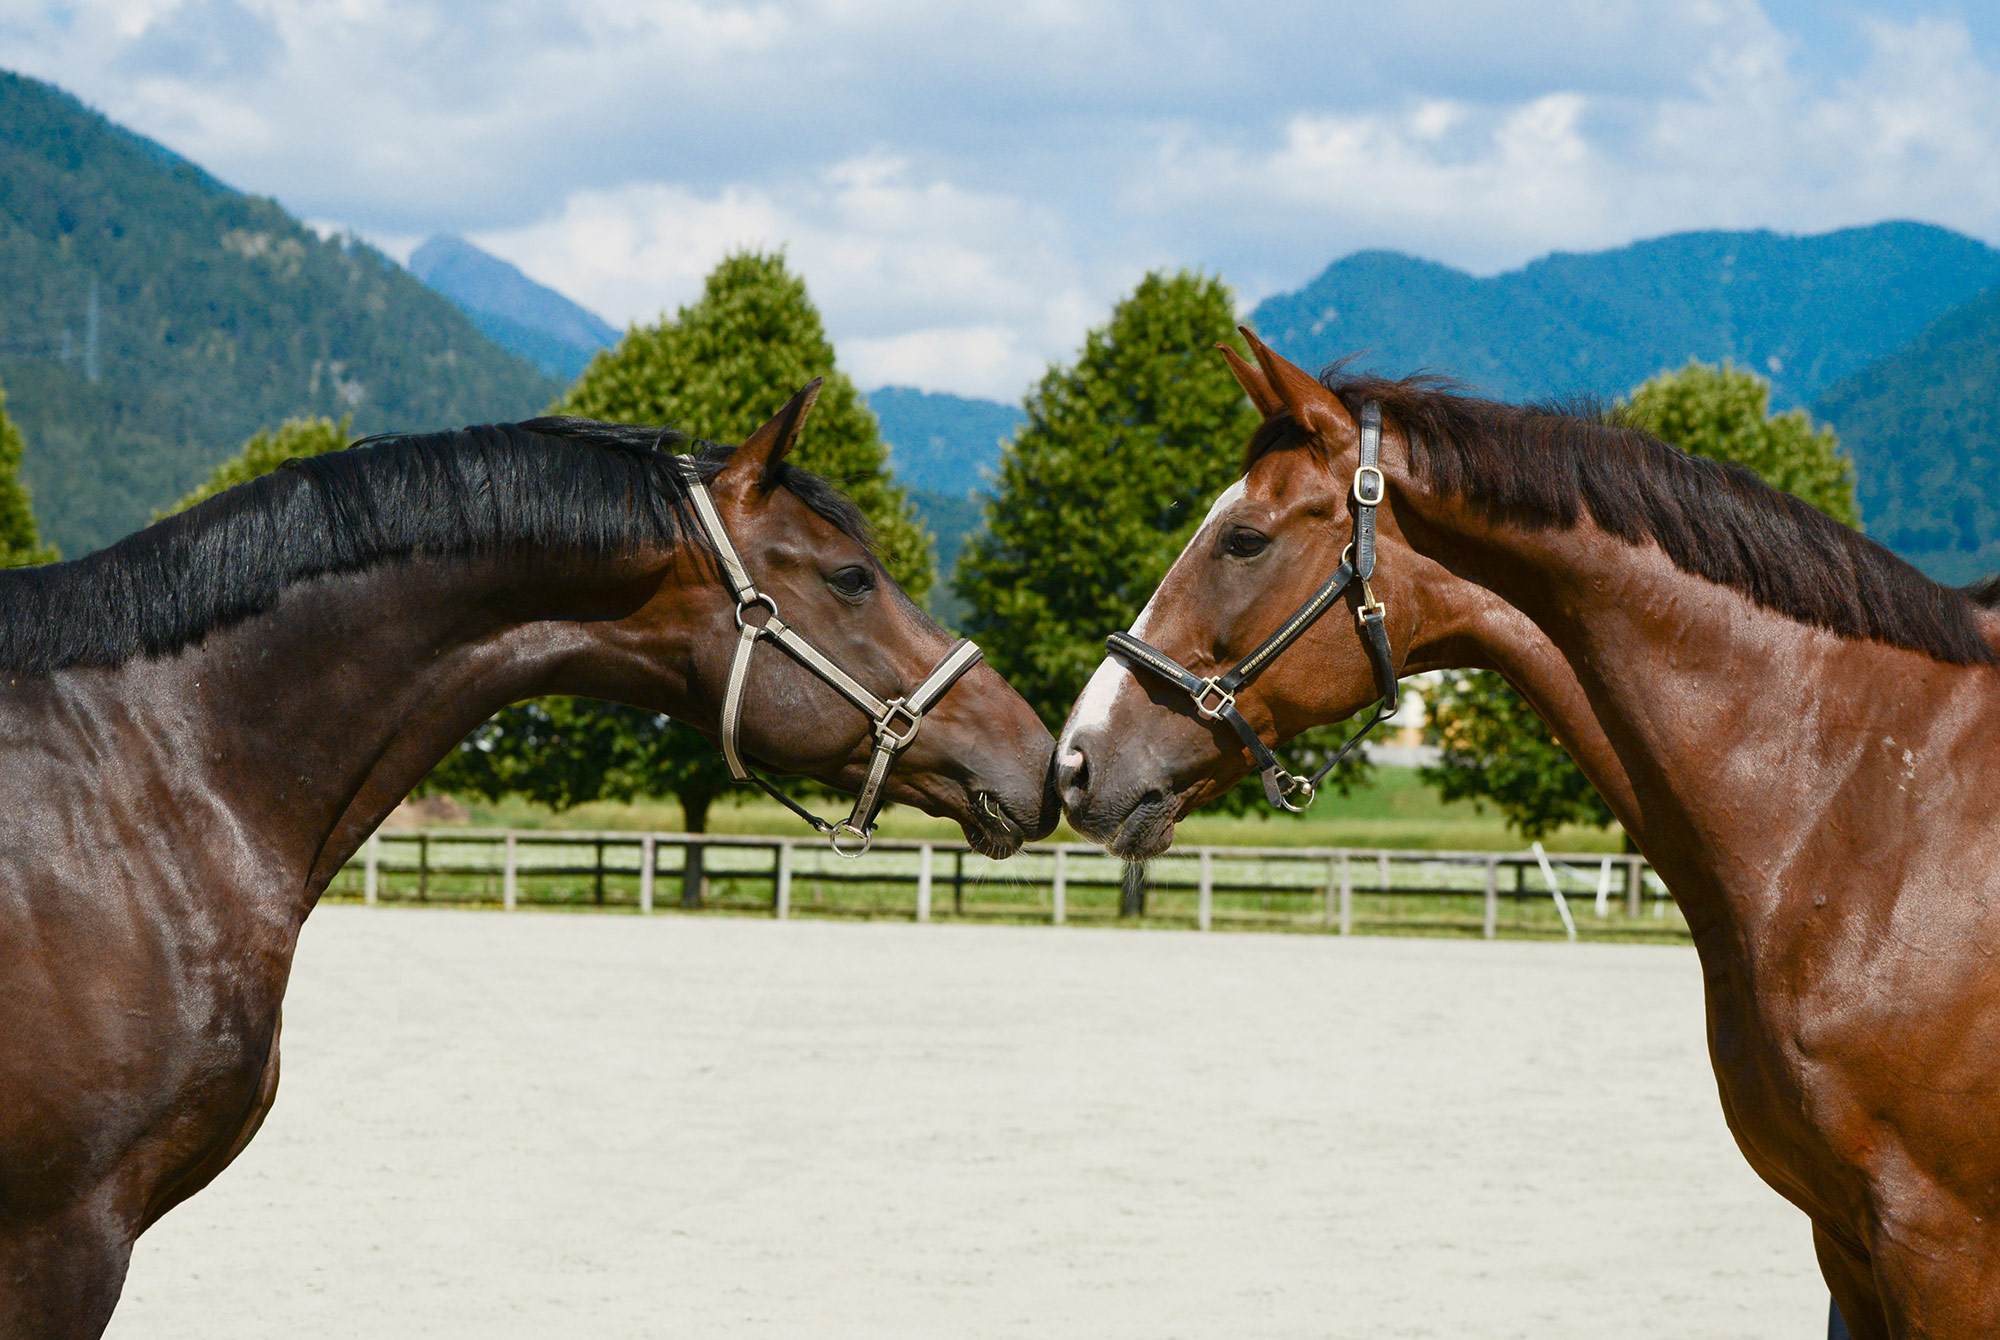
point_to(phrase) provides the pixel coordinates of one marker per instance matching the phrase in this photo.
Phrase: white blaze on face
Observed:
(1093, 707)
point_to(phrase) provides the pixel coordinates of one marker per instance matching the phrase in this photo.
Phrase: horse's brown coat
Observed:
(1825, 808)
(166, 824)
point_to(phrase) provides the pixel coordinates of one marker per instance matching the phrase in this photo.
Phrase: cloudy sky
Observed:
(967, 187)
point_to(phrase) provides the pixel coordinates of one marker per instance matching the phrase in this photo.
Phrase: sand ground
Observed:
(535, 1125)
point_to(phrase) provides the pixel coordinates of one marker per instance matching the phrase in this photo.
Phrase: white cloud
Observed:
(966, 187)
(920, 281)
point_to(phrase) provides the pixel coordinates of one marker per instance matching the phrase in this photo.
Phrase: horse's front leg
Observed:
(1851, 1280)
(60, 1278)
(1936, 1273)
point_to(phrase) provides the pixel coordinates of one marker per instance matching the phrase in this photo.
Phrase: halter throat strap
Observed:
(1215, 698)
(896, 721)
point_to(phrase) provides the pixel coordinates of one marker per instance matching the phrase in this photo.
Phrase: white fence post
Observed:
(1059, 889)
(783, 900)
(1382, 857)
(509, 877)
(1492, 897)
(646, 850)
(1604, 888)
(372, 872)
(1205, 911)
(1346, 896)
(924, 882)
(1332, 890)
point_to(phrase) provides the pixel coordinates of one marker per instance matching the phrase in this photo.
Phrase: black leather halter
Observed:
(896, 721)
(1215, 698)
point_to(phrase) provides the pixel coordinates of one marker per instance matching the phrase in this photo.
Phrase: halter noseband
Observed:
(1215, 697)
(896, 721)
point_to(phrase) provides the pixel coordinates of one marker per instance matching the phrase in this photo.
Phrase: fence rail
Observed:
(1335, 889)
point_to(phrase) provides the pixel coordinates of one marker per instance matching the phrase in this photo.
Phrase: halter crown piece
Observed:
(1215, 697)
(896, 721)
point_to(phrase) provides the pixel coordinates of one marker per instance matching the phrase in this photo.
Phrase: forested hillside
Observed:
(151, 319)
(521, 316)
(1923, 427)
(1803, 311)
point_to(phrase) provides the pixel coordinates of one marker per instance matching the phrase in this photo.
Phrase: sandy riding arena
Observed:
(532, 1125)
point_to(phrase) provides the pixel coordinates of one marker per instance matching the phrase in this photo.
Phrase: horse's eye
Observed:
(1246, 543)
(852, 581)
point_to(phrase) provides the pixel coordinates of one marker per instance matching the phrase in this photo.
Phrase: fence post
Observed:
(423, 867)
(924, 882)
(782, 900)
(1205, 908)
(371, 872)
(1492, 897)
(1332, 885)
(1059, 888)
(1635, 884)
(1346, 896)
(509, 880)
(647, 847)
(1382, 857)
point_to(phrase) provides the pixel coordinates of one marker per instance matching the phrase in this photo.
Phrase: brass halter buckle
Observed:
(1225, 700)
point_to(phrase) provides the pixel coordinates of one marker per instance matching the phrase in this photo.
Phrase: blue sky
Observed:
(968, 187)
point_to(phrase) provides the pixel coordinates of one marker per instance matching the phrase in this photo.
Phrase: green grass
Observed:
(1394, 810)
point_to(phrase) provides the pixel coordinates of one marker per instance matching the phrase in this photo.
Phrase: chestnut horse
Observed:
(199, 725)
(1800, 731)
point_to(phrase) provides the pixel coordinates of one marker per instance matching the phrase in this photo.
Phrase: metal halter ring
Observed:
(1296, 785)
(1361, 495)
(756, 598)
(884, 729)
(1201, 706)
(846, 830)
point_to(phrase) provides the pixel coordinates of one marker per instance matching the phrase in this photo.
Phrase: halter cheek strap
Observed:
(1215, 698)
(896, 721)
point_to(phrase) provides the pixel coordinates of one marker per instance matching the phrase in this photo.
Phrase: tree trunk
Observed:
(1132, 890)
(694, 810)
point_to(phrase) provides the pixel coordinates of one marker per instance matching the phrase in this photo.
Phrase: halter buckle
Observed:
(755, 598)
(848, 831)
(1226, 700)
(1366, 497)
(885, 729)
(1369, 605)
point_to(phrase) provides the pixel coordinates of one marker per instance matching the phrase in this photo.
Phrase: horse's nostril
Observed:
(1073, 771)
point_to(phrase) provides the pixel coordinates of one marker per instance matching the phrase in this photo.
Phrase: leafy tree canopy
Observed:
(1495, 748)
(719, 369)
(266, 451)
(1102, 486)
(20, 543)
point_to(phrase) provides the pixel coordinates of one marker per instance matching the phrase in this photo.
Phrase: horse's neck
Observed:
(308, 723)
(1719, 731)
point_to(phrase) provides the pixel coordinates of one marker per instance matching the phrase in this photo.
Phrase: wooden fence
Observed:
(1334, 889)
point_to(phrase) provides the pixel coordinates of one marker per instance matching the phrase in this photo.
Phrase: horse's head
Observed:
(1135, 756)
(980, 755)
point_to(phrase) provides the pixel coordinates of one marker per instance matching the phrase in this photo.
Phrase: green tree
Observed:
(1101, 488)
(20, 543)
(1495, 748)
(718, 369)
(266, 451)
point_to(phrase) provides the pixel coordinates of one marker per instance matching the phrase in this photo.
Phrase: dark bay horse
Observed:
(199, 725)
(1801, 732)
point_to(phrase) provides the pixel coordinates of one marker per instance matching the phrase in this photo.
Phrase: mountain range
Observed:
(153, 319)
(528, 319)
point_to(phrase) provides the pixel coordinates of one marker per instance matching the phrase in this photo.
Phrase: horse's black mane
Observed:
(572, 488)
(1547, 466)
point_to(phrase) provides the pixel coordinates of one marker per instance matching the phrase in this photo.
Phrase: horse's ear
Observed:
(754, 465)
(1252, 381)
(1316, 409)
